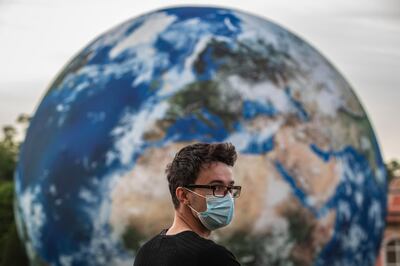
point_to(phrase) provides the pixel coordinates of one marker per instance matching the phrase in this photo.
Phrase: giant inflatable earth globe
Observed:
(90, 181)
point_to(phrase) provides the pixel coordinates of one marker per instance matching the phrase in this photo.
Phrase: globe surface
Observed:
(90, 181)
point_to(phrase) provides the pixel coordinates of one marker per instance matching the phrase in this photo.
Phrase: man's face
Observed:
(215, 173)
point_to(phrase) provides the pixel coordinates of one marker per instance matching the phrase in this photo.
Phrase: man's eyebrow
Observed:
(220, 182)
(216, 181)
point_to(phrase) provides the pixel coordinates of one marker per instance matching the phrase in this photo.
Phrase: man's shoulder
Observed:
(213, 248)
(144, 253)
(188, 246)
(151, 242)
(215, 254)
(182, 240)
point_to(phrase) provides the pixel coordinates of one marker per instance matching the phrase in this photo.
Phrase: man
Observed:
(202, 188)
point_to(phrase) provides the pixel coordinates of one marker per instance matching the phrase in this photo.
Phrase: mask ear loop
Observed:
(197, 195)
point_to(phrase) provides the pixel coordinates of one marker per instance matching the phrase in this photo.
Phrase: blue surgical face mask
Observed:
(219, 211)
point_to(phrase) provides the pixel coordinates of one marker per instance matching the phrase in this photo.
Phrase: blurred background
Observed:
(361, 38)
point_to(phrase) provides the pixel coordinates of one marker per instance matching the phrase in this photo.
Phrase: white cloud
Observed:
(33, 216)
(128, 135)
(145, 34)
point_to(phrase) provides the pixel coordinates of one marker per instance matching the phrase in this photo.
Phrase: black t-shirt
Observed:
(183, 249)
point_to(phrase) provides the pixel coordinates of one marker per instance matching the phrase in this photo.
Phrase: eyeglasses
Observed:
(220, 190)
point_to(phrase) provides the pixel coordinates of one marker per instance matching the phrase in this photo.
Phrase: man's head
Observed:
(195, 159)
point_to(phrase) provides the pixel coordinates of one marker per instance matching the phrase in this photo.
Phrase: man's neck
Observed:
(185, 221)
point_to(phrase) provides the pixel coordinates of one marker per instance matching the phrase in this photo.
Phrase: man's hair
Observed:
(186, 165)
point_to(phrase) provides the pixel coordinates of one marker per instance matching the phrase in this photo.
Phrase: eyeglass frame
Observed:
(213, 187)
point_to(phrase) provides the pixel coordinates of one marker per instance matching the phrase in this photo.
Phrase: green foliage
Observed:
(12, 251)
(9, 147)
(393, 169)
(211, 98)
(132, 239)
(301, 228)
(8, 153)
(245, 247)
(300, 225)
(250, 63)
(6, 207)
(263, 249)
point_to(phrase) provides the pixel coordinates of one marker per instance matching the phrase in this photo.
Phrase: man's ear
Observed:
(181, 194)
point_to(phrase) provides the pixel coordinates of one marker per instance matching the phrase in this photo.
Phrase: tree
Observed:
(8, 153)
(12, 251)
(9, 147)
(393, 169)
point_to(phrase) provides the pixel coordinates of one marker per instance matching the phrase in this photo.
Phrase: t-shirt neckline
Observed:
(164, 231)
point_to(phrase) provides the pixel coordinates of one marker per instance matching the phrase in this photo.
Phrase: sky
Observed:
(360, 37)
